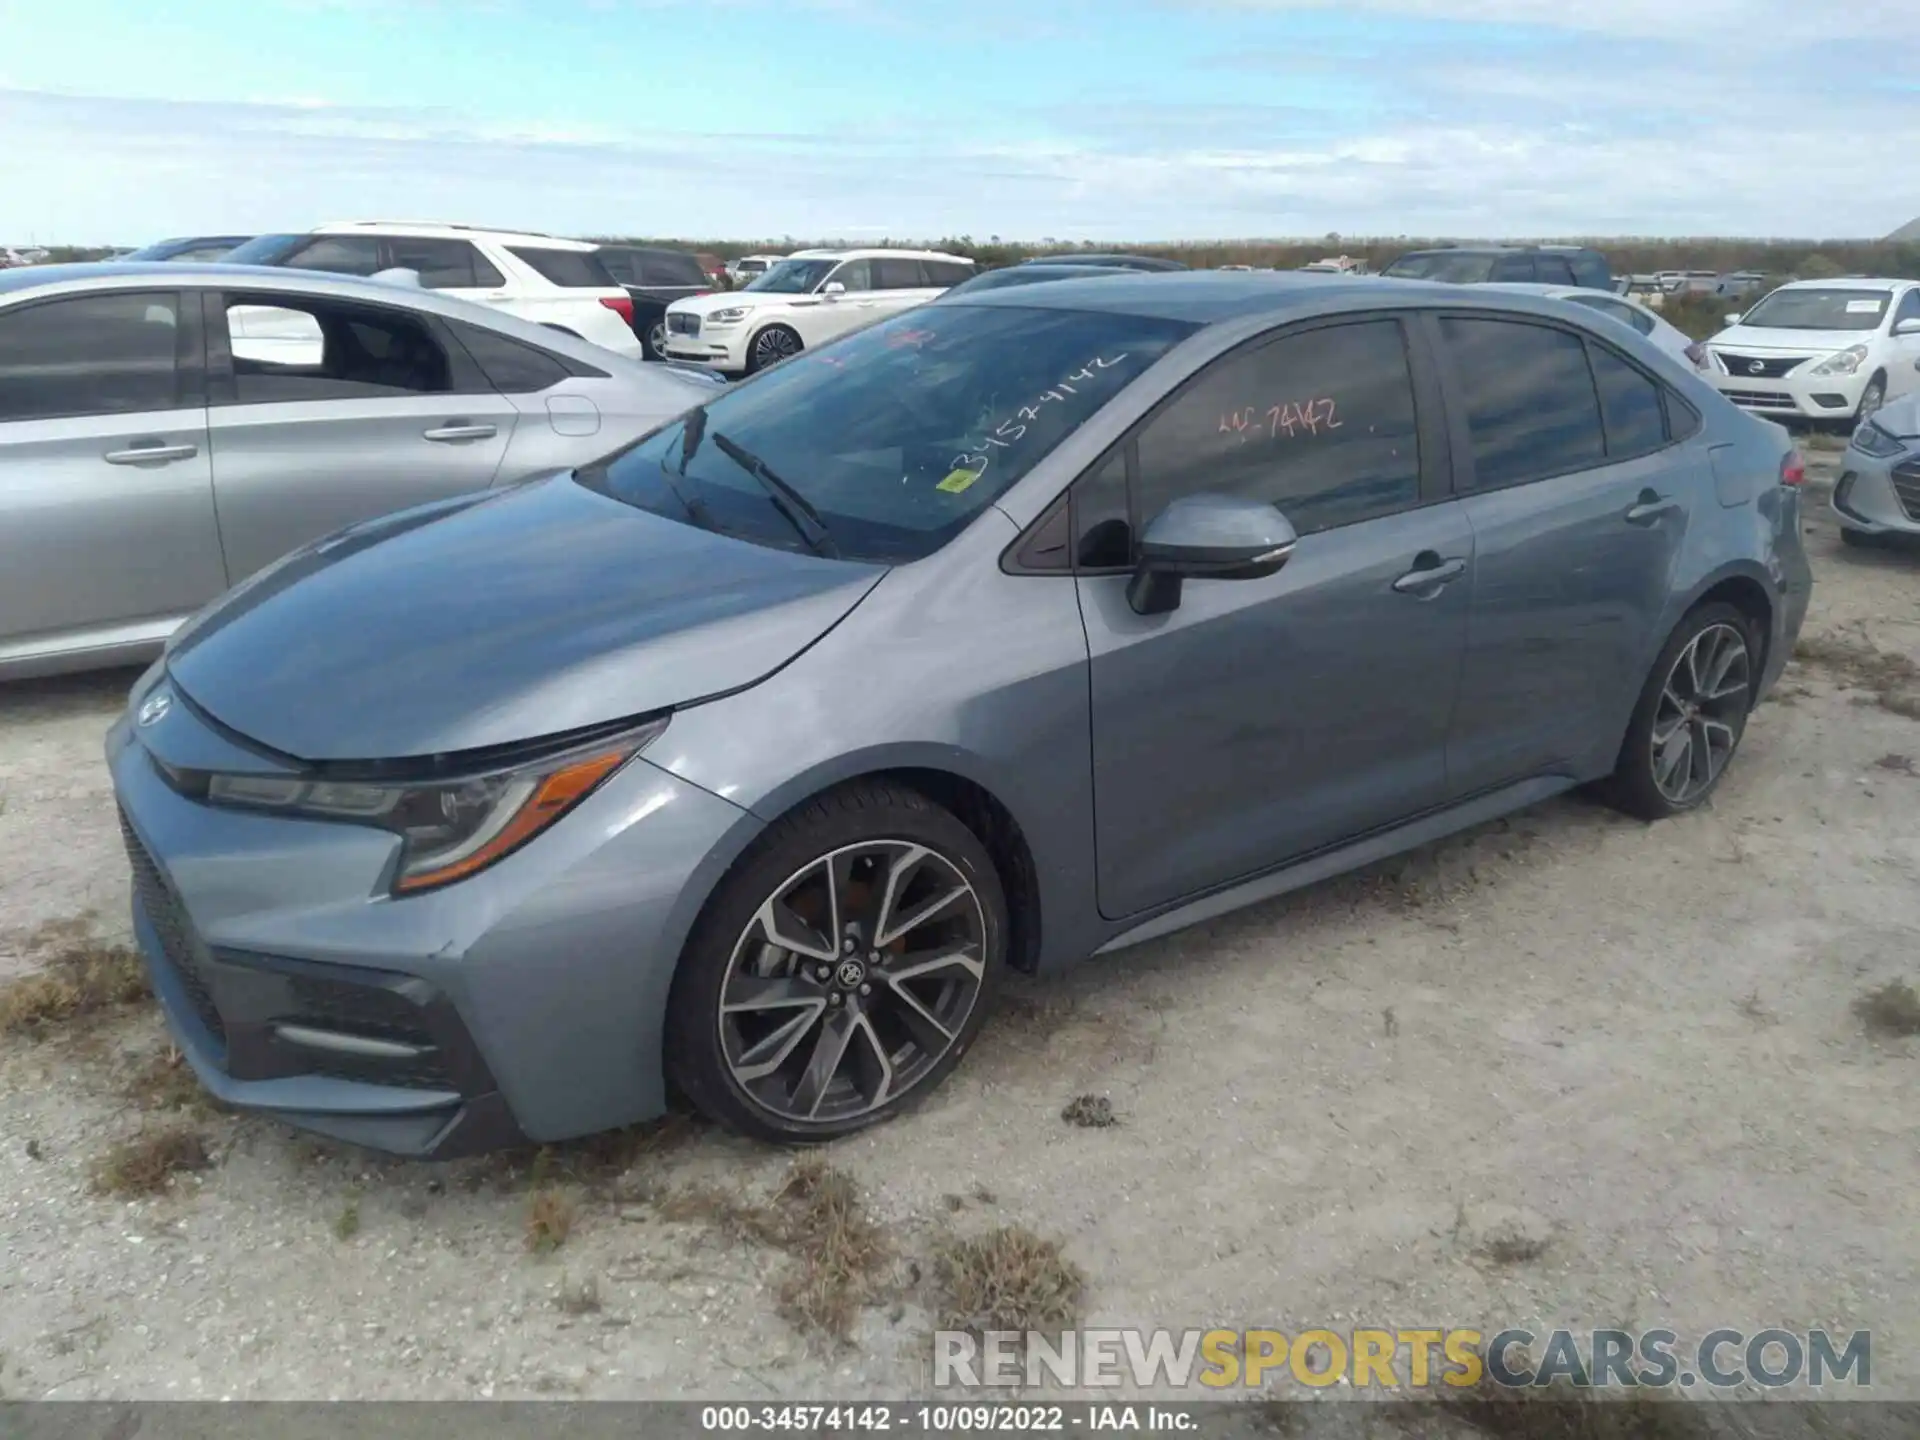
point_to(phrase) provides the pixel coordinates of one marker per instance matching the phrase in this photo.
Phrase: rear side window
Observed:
(1515, 268)
(571, 269)
(947, 272)
(1553, 270)
(108, 354)
(1531, 406)
(667, 268)
(444, 264)
(1320, 423)
(300, 348)
(897, 273)
(1591, 270)
(338, 255)
(623, 265)
(511, 367)
(1635, 421)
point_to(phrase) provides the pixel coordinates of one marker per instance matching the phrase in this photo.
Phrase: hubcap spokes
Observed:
(658, 338)
(1702, 708)
(774, 345)
(852, 980)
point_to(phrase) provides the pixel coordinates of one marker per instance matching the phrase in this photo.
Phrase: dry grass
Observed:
(148, 1163)
(346, 1224)
(1898, 764)
(578, 1297)
(80, 978)
(1564, 1412)
(1090, 1112)
(165, 1081)
(1892, 1010)
(1891, 680)
(1007, 1279)
(840, 1254)
(550, 1216)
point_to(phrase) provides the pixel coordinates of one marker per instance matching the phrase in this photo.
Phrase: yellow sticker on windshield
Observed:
(957, 480)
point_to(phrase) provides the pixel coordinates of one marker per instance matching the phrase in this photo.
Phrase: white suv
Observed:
(805, 300)
(561, 284)
(1821, 349)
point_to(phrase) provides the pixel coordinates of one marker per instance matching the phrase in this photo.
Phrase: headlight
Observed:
(727, 316)
(1845, 363)
(1870, 439)
(449, 829)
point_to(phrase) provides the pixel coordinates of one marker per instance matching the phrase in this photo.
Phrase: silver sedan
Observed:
(166, 430)
(1878, 493)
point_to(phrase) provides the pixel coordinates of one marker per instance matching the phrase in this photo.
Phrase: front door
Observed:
(106, 496)
(1262, 720)
(379, 412)
(1579, 492)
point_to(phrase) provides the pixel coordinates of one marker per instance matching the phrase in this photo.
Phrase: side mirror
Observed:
(1212, 537)
(1906, 327)
(1734, 318)
(833, 289)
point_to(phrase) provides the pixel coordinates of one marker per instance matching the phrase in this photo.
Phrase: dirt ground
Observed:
(1642, 1038)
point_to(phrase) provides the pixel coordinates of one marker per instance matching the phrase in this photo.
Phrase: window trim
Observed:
(189, 352)
(1433, 460)
(1465, 471)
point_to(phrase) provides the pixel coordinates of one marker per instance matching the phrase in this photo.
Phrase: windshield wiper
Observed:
(787, 500)
(691, 429)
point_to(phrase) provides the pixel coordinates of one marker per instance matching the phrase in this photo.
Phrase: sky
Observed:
(1107, 120)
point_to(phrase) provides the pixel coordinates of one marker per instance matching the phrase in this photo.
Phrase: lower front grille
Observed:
(1774, 399)
(1906, 486)
(178, 941)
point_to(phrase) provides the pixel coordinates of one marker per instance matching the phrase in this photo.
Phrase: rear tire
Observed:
(1691, 715)
(1858, 539)
(801, 1042)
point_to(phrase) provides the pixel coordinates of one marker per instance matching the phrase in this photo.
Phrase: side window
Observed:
(1909, 307)
(299, 348)
(104, 354)
(667, 268)
(1103, 538)
(855, 275)
(510, 367)
(1321, 423)
(898, 273)
(1513, 267)
(1629, 405)
(947, 272)
(1590, 269)
(443, 264)
(625, 266)
(1531, 407)
(1553, 270)
(339, 255)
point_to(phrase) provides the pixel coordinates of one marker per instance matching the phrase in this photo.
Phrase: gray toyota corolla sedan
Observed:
(1002, 633)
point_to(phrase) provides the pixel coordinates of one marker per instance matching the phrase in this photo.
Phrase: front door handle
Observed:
(1650, 507)
(150, 454)
(1430, 574)
(459, 430)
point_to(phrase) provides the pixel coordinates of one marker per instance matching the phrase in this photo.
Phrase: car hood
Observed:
(492, 620)
(1756, 340)
(1900, 418)
(705, 305)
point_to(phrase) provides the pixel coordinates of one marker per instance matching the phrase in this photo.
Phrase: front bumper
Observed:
(718, 348)
(522, 1004)
(1878, 496)
(1802, 397)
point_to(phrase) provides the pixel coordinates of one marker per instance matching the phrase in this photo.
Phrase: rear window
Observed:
(573, 269)
(266, 249)
(1448, 266)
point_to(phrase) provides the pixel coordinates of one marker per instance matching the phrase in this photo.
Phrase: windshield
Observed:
(1451, 266)
(1835, 309)
(793, 277)
(897, 436)
(1022, 275)
(265, 250)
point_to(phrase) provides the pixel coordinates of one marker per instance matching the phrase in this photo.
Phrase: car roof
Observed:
(826, 254)
(1206, 296)
(649, 250)
(440, 230)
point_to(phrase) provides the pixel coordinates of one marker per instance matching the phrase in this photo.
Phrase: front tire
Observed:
(1690, 717)
(771, 346)
(841, 971)
(653, 344)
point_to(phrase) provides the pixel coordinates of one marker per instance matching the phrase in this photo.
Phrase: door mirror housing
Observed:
(1906, 327)
(1211, 537)
(833, 289)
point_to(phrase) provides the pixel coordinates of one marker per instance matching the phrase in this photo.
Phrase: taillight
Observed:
(623, 306)
(1793, 470)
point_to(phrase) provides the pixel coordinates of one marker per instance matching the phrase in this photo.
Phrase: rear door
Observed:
(1579, 498)
(903, 283)
(376, 413)
(1903, 376)
(106, 497)
(1262, 720)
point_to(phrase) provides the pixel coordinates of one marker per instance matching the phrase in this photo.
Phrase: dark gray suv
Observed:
(997, 634)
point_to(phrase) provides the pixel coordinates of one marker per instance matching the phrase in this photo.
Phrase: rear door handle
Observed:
(1429, 574)
(460, 430)
(1650, 507)
(150, 454)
